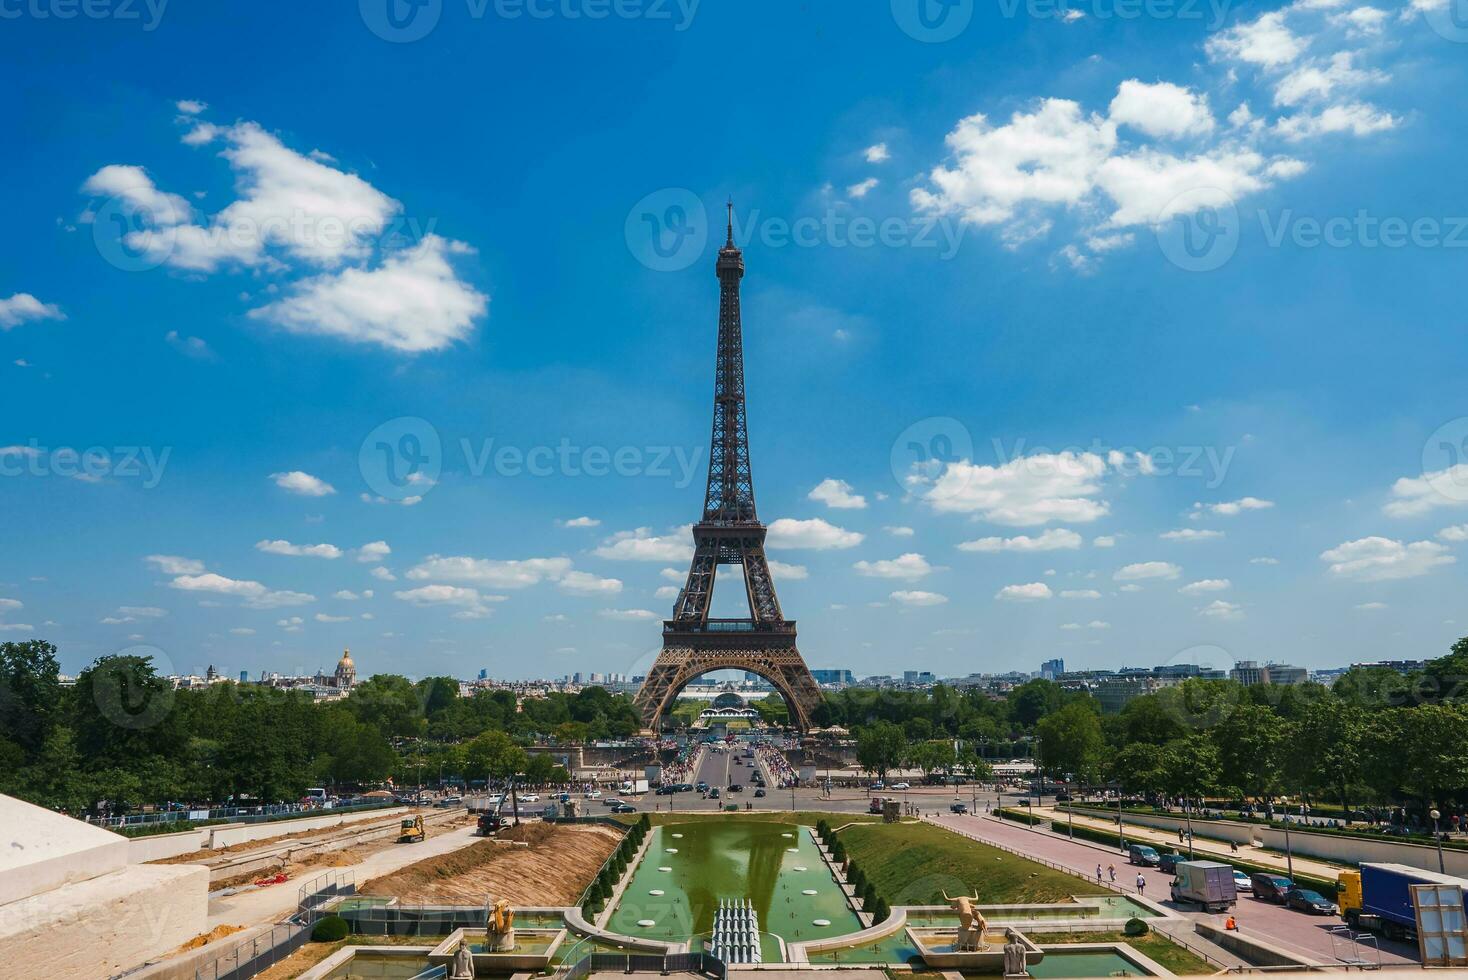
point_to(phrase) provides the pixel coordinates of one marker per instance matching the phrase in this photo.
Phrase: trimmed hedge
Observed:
(1020, 816)
(331, 929)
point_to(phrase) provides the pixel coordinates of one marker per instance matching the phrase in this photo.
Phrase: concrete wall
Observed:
(1255, 952)
(103, 926)
(41, 850)
(1340, 849)
(141, 850)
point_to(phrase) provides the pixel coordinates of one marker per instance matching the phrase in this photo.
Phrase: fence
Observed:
(703, 964)
(264, 951)
(231, 814)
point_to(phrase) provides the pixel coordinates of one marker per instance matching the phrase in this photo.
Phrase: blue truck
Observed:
(1379, 897)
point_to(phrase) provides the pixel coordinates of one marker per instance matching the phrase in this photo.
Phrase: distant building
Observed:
(1052, 669)
(346, 672)
(917, 677)
(835, 676)
(1400, 666)
(1249, 673)
(1285, 674)
(244, 677)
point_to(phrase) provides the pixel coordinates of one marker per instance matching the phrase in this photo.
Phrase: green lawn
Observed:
(913, 864)
(1153, 944)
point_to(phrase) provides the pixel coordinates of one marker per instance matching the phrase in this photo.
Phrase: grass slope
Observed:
(1166, 952)
(913, 864)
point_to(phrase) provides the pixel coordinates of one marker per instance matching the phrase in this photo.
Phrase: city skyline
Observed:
(999, 414)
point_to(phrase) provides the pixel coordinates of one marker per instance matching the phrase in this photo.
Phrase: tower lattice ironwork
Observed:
(730, 533)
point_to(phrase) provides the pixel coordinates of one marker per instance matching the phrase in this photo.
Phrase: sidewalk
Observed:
(1203, 847)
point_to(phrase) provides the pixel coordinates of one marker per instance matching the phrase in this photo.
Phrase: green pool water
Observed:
(1101, 907)
(538, 920)
(1081, 964)
(896, 948)
(732, 859)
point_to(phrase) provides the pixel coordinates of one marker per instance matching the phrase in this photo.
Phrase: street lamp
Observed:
(1289, 853)
(1435, 815)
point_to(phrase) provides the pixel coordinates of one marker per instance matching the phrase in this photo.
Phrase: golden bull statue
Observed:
(971, 923)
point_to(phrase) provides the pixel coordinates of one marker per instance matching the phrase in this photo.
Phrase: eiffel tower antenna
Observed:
(729, 533)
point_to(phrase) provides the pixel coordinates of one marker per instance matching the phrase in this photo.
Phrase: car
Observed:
(450, 801)
(1143, 855)
(612, 801)
(593, 794)
(1169, 862)
(1270, 887)
(759, 792)
(1062, 798)
(701, 786)
(1309, 901)
(1242, 882)
(530, 798)
(714, 793)
(736, 788)
(624, 808)
(958, 808)
(878, 784)
(901, 786)
(666, 791)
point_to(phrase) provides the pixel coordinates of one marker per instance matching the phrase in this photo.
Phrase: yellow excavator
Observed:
(412, 830)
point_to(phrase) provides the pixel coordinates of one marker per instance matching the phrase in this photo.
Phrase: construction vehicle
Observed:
(490, 824)
(1378, 898)
(411, 831)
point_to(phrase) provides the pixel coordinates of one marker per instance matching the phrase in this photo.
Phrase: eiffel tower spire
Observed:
(729, 533)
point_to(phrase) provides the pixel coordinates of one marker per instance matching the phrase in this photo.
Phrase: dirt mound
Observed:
(533, 864)
(218, 932)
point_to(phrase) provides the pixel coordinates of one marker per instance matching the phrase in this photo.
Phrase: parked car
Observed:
(624, 808)
(1270, 887)
(701, 786)
(530, 798)
(666, 790)
(450, 801)
(613, 802)
(1144, 855)
(736, 788)
(1242, 882)
(901, 786)
(958, 808)
(759, 792)
(878, 784)
(593, 794)
(1062, 797)
(714, 793)
(1309, 901)
(1169, 862)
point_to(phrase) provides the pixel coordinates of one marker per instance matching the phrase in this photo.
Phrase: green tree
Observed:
(880, 747)
(1250, 744)
(1326, 748)
(1071, 742)
(1138, 767)
(30, 693)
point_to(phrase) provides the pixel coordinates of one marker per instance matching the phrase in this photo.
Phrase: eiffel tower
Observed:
(730, 533)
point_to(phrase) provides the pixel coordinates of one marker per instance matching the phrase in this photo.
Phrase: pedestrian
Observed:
(1231, 925)
(1098, 874)
(1111, 870)
(1141, 883)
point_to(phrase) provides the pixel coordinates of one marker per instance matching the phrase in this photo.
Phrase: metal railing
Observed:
(704, 964)
(232, 814)
(263, 951)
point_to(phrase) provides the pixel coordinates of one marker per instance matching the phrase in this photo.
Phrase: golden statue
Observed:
(500, 927)
(971, 922)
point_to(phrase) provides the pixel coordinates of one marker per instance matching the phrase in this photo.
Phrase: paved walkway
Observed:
(1307, 935)
(1204, 847)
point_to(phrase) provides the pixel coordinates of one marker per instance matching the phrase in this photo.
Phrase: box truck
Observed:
(1208, 884)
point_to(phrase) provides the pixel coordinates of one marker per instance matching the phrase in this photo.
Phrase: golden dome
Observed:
(346, 660)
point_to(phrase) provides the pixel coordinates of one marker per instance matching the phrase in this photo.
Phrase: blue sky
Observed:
(1125, 333)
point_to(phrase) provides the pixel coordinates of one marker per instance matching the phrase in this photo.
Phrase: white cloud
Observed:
(580, 522)
(1053, 539)
(1370, 606)
(782, 570)
(373, 551)
(412, 501)
(174, 565)
(629, 615)
(1104, 541)
(150, 206)
(1319, 80)
(1376, 559)
(291, 624)
(1095, 624)
(413, 301)
(22, 307)
(1027, 490)
(242, 631)
(1415, 496)
(384, 574)
(1206, 585)
(899, 531)
(915, 597)
(877, 153)
(194, 347)
(1230, 508)
(666, 592)
(328, 618)
(816, 534)
(1147, 570)
(142, 612)
(642, 545)
(1025, 593)
(1456, 534)
(304, 484)
(1356, 118)
(1161, 109)
(1151, 186)
(837, 494)
(1264, 41)
(470, 602)
(1080, 594)
(254, 594)
(1265, 560)
(1190, 534)
(585, 583)
(1222, 609)
(346, 595)
(190, 107)
(281, 547)
(491, 573)
(862, 188)
(910, 566)
(11, 604)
